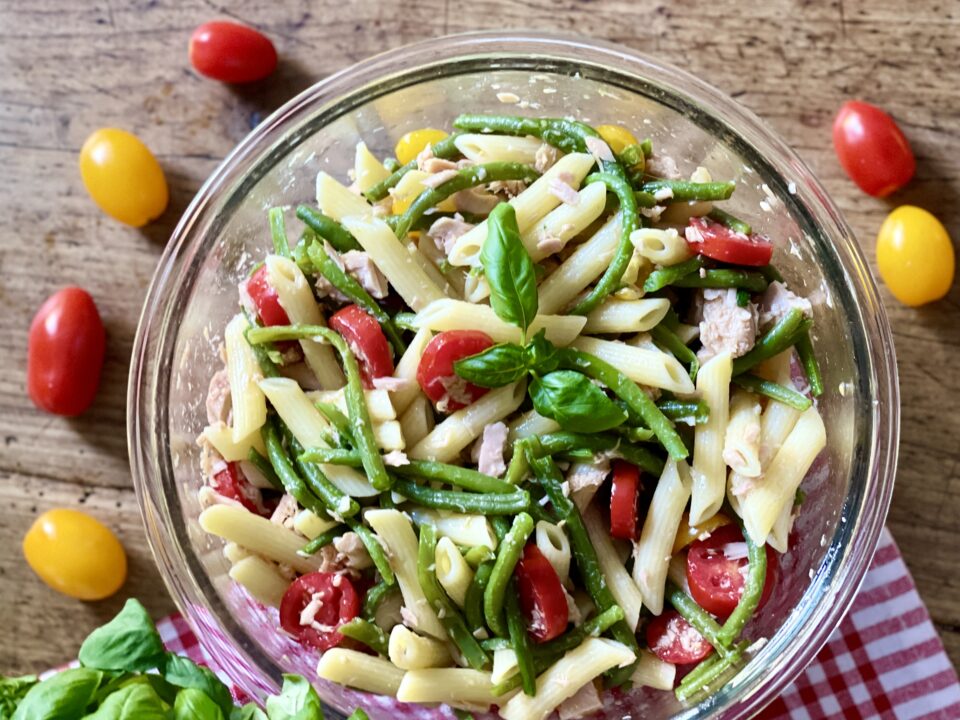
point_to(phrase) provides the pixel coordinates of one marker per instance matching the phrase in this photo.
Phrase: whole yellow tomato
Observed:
(123, 177)
(75, 554)
(915, 256)
(617, 137)
(411, 144)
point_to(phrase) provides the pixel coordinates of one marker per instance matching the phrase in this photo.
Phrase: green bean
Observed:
(328, 228)
(347, 285)
(267, 366)
(391, 164)
(634, 433)
(699, 619)
(322, 540)
(478, 554)
(405, 320)
(292, 482)
(473, 601)
(375, 550)
(772, 390)
(685, 190)
(517, 627)
(335, 499)
(518, 467)
(356, 401)
(501, 526)
(445, 150)
(464, 502)
(339, 421)
(263, 465)
(586, 447)
(666, 337)
(731, 221)
(455, 475)
(743, 298)
(332, 456)
(777, 339)
(508, 554)
(628, 391)
(549, 130)
(724, 278)
(468, 177)
(770, 273)
(810, 364)
(375, 597)
(682, 409)
(707, 672)
(752, 591)
(497, 643)
(447, 612)
(632, 157)
(358, 714)
(647, 146)
(644, 199)
(659, 279)
(278, 232)
(368, 633)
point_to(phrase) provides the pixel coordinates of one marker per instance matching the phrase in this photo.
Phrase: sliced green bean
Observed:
(683, 409)
(445, 150)
(335, 499)
(517, 627)
(368, 633)
(699, 619)
(328, 228)
(752, 592)
(647, 146)
(464, 502)
(473, 601)
(449, 615)
(659, 279)
(634, 433)
(664, 336)
(375, 550)
(339, 421)
(322, 540)
(591, 445)
(333, 456)
(724, 278)
(497, 643)
(509, 552)
(810, 364)
(278, 232)
(292, 482)
(267, 366)
(731, 221)
(266, 469)
(685, 190)
(501, 526)
(517, 468)
(375, 597)
(454, 475)
(405, 320)
(770, 273)
(777, 339)
(633, 157)
(478, 554)
(707, 672)
(391, 164)
(774, 391)
(743, 298)
(358, 714)
(468, 177)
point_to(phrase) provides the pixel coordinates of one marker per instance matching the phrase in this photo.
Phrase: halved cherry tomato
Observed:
(447, 390)
(366, 340)
(231, 53)
(541, 595)
(713, 240)
(674, 640)
(265, 299)
(716, 581)
(872, 149)
(623, 500)
(230, 482)
(915, 256)
(65, 352)
(336, 600)
(413, 143)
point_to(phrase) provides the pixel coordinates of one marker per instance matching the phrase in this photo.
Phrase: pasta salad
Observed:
(514, 420)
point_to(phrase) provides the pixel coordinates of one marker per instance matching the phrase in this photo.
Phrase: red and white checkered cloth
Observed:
(884, 661)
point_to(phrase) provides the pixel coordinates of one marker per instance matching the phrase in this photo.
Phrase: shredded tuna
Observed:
(396, 458)
(550, 244)
(726, 327)
(510, 188)
(777, 301)
(439, 178)
(545, 158)
(408, 617)
(475, 201)
(663, 166)
(585, 701)
(390, 383)
(351, 552)
(561, 190)
(584, 475)
(210, 459)
(359, 264)
(740, 485)
(218, 397)
(599, 149)
(445, 231)
(490, 449)
(285, 511)
(429, 163)
(573, 610)
(456, 391)
(208, 497)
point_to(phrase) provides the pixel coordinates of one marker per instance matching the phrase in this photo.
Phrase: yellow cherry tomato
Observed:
(915, 256)
(413, 143)
(75, 554)
(123, 177)
(686, 533)
(617, 137)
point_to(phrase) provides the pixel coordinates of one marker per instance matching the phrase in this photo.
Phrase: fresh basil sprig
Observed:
(297, 701)
(575, 402)
(509, 269)
(129, 642)
(494, 367)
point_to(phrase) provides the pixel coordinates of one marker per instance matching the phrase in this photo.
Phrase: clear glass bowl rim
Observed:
(834, 587)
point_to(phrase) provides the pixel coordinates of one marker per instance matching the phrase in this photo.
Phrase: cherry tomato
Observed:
(674, 640)
(231, 53)
(617, 137)
(447, 390)
(366, 340)
(623, 500)
(872, 149)
(713, 240)
(336, 600)
(123, 177)
(75, 554)
(413, 143)
(915, 256)
(716, 582)
(65, 353)
(541, 595)
(265, 299)
(230, 482)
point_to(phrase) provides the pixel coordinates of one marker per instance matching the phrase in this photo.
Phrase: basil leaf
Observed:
(297, 701)
(250, 711)
(360, 714)
(137, 701)
(12, 691)
(509, 269)
(128, 642)
(193, 704)
(575, 402)
(64, 696)
(494, 367)
(183, 672)
(542, 355)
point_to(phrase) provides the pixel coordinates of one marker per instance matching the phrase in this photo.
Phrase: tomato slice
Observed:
(872, 148)
(326, 601)
(716, 569)
(541, 595)
(229, 482)
(265, 299)
(674, 640)
(713, 240)
(623, 500)
(366, 340)
(447, 390)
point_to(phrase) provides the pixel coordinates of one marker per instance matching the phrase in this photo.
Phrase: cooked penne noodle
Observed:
(379, 405)
(644, 366)
(653, 672)
(552, 232)
(430, 269)
(552, 541)
(261, 579)
(417, 421)
(741, 445)
(258, 535)
(532, 423)
(310, 525)
(452, 570)
(624, 589)
(367, 170)
(389, 435)
(221, 437)
(449, 314)
(466, 530)
(409, 651)
(249, 407)
(709, 470)
(234, 553)
(454, 686)
(504, 665)
(585, 265)
(483, 149)
(626, 316)
(359, 670)
(662, 247)
(407, 370)
(337, 201)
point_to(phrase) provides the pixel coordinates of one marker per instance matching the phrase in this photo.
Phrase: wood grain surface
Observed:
(68, 67)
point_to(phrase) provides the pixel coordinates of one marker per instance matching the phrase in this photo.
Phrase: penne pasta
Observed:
(466, 530)
(709, 469)
(409, 651)
(407, 370)
(310, 525)
(585, 265)
(626, 316)
(741, 444)
(359, 670)
(645, 366)
(482, 149)
(337, 201)
(453, 572)
(624, 589)
(552, 541)
(417, 421)
(454, 686)
(532, 423)
(661, 247)
(261, 579)
(379, 404)
(258, 535)
(367, 170)
(459, 315)
(221, 437)
(553, 231)
(653, 672)
(249, 407)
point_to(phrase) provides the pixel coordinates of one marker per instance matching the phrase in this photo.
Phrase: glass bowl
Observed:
(224, 232)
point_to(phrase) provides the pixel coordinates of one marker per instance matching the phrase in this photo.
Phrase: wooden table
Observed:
(69, 67)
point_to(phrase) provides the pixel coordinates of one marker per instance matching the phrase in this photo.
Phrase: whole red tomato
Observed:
(65, 353)
(872, 149)
(232, 53)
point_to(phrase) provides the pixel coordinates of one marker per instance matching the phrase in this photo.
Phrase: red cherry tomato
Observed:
(230, 482)
(65, 352)
(447, 390)
(231, 53)
(541, 595)
(716, 581)
(336, 600)
(674, 640)
(623, 500)
(872, 149)
(713, 240)
(366, 340)
(265, 299)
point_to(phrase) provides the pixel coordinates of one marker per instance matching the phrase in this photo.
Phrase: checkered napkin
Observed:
(884, 661)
